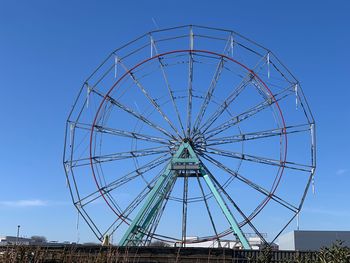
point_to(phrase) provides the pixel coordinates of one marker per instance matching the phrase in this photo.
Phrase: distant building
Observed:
(10, 240)
(312, 240)
(254, 241)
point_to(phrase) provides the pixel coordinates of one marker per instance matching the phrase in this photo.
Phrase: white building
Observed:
(254, 241)
(11, 240)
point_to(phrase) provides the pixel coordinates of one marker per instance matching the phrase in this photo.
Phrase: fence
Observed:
(87, 254)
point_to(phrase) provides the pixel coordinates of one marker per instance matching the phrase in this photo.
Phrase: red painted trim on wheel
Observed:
(278, 177)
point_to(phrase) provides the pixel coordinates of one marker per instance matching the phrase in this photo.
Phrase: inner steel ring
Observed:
(283, 159)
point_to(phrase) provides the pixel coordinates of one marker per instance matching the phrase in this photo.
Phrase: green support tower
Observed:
(184, 163)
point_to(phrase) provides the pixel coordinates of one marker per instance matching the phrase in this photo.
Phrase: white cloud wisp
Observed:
(24, 203)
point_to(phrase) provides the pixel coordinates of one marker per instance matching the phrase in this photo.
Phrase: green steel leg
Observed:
(138, 237)
(155, 209)
(226, 211)
(147, 206)
(155, 199)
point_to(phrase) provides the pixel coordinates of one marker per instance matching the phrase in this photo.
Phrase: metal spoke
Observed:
(160, 213)
(258, 135)
(260, 159)
(207, 207)
(218, 185)
(251, 184)
(134, 114)
(184, 210)
(146, 214)
(171, 93)
(190, 81)
(150, 98)
(136, 173)
(247, 79)
(124, 179)
(120, 156)
(134, 203)
(212, 87)
(249, 113)
(208, 95)
(123, 133)
(250, 76)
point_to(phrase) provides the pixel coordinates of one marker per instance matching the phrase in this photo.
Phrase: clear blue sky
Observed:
(48, 48)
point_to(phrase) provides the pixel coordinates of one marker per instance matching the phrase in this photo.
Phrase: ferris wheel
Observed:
(186, 135)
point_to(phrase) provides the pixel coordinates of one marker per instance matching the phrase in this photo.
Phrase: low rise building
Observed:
(312, 240)
(254, 241)
(11, 240)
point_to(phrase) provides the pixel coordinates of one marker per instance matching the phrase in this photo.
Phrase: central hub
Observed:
(185, 161)
(199, 144)
(187, 140)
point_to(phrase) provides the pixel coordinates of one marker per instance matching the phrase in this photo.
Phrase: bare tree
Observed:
(39, 239)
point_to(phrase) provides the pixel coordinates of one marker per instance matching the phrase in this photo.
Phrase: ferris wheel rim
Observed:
(279, 175)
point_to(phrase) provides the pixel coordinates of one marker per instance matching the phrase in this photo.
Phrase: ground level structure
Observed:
(312, 240)
(86, 254)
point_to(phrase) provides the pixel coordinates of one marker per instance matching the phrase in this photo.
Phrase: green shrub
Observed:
(337, 253)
